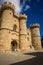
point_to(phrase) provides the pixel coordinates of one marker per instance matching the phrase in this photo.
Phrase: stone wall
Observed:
(14, 33)
(35, 32)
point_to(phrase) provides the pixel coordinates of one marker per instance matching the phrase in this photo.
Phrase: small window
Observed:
(28, 33)
(30, 46)
(27, 38)
(9, 31)
(10, 13)
(14, 20)
(20, 29)
(15, 27)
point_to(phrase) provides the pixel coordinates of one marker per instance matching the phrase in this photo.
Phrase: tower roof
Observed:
(7, 5)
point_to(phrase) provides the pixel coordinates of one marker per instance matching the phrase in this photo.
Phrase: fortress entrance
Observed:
(13, 45)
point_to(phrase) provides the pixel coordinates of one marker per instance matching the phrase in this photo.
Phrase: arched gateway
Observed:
(14, 45)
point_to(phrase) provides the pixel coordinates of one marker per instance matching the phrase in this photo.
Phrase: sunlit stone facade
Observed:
(14, 35)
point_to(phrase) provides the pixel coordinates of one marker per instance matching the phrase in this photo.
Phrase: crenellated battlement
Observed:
(20, 16)
(34, 25)
(23, 16)
(7, 5)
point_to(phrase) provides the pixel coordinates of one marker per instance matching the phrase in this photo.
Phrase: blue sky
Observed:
(34, 13)
(32, 8)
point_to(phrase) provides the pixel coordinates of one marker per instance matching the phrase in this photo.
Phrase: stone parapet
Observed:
(22, 16)
(8, 5)
(34, 25)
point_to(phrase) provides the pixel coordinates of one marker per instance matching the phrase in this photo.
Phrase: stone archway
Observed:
(14, 45)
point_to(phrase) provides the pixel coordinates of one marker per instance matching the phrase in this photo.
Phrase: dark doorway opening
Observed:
(13, 45)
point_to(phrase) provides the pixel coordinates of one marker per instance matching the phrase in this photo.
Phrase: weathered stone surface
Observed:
(14, 35)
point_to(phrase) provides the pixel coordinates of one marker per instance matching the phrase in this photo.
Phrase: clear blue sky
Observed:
(34, 12)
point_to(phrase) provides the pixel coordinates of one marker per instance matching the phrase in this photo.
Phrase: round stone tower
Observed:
(7, 10)
(23, 32)
(35, 33)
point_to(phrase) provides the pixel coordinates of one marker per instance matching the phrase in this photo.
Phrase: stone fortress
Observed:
(14, 35)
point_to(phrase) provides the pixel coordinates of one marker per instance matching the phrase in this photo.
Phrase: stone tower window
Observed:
(30, 46)
(20, 29)
(14, 20)
(28, 38)
(10, 13)
(15, 27)
(25, 37)
(28, 33)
